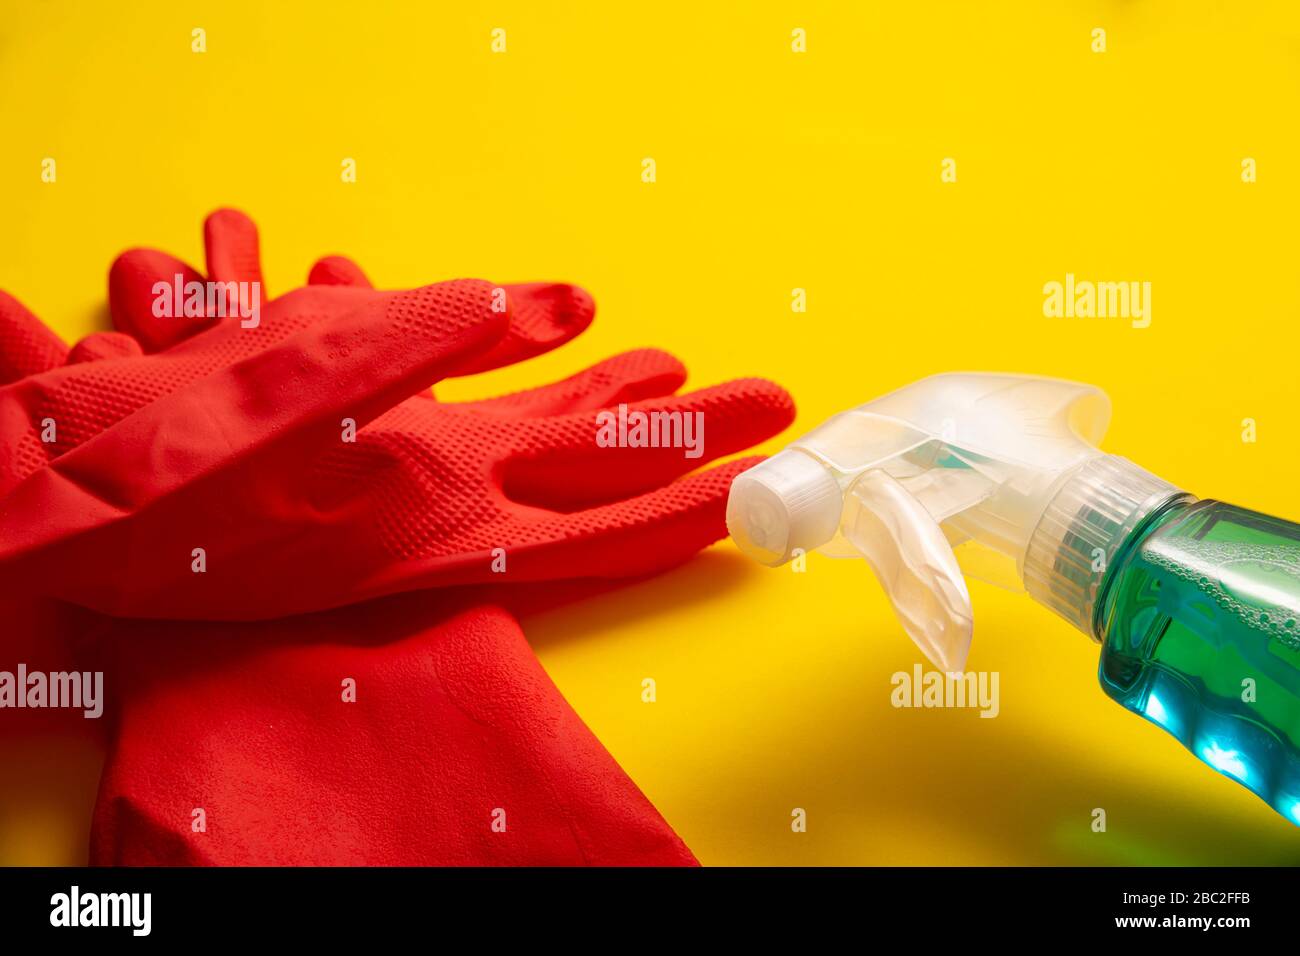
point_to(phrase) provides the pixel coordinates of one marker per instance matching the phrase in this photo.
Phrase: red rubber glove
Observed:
(291, 517)
(26, 345)
(455, 749)
(455, 727)
(543, 315)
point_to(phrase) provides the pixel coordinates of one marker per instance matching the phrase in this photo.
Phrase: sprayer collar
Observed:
(1082, 528)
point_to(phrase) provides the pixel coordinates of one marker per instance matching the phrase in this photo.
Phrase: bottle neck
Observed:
(1083, 530)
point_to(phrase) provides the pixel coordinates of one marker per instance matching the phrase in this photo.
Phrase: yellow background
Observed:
(776, 170)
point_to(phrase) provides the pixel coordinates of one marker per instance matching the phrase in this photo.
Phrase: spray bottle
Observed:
(1196, 603)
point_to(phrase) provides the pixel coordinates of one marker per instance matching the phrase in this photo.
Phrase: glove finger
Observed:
(27, 346)
(545, 315)
(642, 535)
(628, 377)
(338, 270)
(233, 254)
(104, 345)
(253, 422)
(134, 296)
(576, 460)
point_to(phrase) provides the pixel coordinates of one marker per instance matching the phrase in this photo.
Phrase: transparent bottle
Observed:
(1199, 619)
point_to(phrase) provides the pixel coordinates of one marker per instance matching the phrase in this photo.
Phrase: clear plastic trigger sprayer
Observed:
(1196, 603)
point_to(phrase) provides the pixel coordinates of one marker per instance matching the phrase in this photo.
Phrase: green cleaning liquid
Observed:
(1199, 619)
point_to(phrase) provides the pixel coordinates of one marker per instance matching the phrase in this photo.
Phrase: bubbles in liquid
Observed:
(1228, 571)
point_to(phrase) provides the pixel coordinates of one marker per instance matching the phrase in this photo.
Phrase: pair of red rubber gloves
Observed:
(210, 471)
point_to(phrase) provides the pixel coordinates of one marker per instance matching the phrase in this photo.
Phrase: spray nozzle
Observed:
(951, 475)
